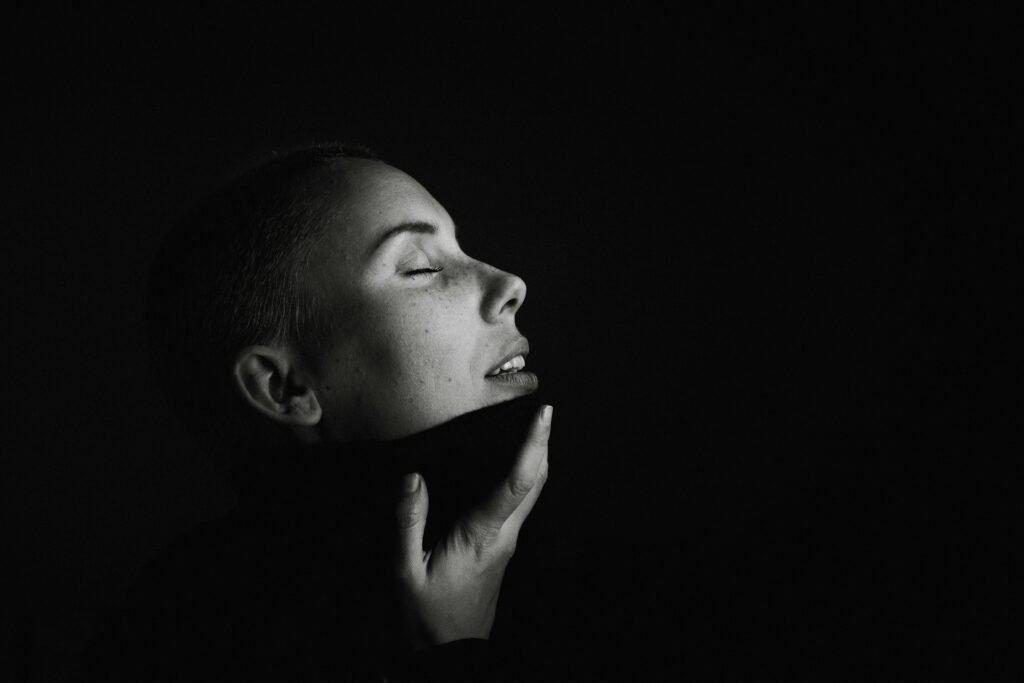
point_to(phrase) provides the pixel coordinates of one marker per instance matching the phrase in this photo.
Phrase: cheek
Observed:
(436, 338)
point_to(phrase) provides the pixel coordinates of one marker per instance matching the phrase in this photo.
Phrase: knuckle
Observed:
(520, 486)
(481, 538)
(407, 518)
(498, 550)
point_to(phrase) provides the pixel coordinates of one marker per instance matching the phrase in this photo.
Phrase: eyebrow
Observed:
(418, 227)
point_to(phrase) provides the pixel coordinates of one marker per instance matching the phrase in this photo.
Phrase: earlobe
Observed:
(270, 382)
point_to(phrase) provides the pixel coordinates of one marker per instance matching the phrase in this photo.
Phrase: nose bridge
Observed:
(503, 293)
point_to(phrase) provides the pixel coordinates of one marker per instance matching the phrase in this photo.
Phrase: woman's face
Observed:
(420, 329)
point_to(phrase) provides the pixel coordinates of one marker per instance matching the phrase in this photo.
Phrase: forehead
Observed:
(367, 197)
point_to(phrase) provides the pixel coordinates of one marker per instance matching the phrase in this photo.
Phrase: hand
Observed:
(451, 592)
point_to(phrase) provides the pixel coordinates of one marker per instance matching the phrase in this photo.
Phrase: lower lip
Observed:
(522, 380)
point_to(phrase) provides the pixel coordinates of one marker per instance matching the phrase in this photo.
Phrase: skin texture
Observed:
(411, 347)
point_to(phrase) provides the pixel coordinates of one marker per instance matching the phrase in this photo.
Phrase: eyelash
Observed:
(422, 271)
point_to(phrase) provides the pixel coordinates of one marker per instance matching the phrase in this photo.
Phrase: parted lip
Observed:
(519, 347)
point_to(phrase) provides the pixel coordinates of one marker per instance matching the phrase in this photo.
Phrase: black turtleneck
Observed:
(294, 583)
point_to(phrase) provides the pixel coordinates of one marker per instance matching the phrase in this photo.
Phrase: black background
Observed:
(768, 266)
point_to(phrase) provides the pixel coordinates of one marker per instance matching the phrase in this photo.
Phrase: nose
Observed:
(504, 293)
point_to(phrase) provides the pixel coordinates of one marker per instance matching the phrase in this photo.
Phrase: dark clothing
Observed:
(294, 585)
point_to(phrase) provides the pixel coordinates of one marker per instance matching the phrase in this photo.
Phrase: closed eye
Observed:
(424, 271)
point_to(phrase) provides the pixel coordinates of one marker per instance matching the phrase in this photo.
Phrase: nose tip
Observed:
(506, 296)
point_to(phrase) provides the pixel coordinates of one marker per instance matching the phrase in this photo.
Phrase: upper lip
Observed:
(520, 347)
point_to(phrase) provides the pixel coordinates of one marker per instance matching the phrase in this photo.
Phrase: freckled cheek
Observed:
(434, 358)
(408, 354)
(428, 345)
(433, 355)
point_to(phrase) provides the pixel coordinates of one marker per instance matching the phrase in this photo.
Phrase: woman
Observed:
(324, 337)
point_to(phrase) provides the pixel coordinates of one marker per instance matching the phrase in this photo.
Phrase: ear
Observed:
(272, 383)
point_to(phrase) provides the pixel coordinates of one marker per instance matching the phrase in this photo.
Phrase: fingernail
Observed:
(545, 414)
(410, 482)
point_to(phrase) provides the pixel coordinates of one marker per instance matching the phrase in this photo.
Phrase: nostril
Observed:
(514, 295)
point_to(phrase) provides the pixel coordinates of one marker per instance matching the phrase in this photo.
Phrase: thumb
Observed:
(411, 519)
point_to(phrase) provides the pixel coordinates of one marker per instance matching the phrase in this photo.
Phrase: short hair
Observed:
(230, 274)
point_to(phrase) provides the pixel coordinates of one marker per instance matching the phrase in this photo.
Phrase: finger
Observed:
(412, 520)
(486, 521)
(519, 515)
